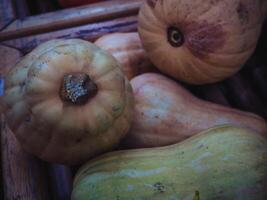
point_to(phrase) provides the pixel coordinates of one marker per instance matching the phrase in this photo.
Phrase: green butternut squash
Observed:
(224, 162)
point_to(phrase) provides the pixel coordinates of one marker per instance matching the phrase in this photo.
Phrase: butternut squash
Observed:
(166, 113)
(128, 50)
(222, 163)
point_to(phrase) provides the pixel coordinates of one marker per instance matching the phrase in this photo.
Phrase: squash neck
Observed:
(77, 88)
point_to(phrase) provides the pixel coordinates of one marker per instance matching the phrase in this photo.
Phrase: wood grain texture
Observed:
(259, 77)
(87, 32)
(241, 95)
(21, 8)
(70, 18)
(43, 6)
(210, 93)
(61, 181)
(24, 177)
(7, 13)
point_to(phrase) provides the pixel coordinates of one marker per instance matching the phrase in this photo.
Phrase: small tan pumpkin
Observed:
(166, 113)
(200, 41)
(67, 101)
(128, 50)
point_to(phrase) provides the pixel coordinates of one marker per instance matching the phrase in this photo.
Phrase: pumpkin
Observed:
(166, 113)
(72, 3)
(128, 50)
(200, 41)
(220, 163)
(67, 101)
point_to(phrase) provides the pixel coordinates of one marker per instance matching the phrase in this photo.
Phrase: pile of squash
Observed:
(68, 101)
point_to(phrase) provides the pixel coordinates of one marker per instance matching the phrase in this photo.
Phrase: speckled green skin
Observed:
(221, 163)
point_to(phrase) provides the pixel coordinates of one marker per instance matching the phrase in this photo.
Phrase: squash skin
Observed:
(166, 113)
(219, 36)
(57, 131)
(224, 162)
(128, 50)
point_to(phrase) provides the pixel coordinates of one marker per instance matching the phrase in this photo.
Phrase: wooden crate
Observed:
(26, 177)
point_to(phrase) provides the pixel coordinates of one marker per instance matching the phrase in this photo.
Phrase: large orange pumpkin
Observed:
(200, 41)
(67, 101)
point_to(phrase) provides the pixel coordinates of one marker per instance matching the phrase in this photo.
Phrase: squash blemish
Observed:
(197, 196)
(204, 38)
(159, 187)
(243, 13)
(152, 3)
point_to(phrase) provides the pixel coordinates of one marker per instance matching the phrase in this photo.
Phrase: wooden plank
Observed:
(87, 32)
(22, 9)
(70, 18)
(7, 13)
(210, 93)
(259, 77)
(24, 176)
(45, 6)
(61, 181)
(256, 72)
(241, 95)
(37, 7)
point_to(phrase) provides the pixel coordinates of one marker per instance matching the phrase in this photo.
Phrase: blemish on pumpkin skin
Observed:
(196, 196)
(213, 2)
(28, 119)
(152, 3)
(78, 140)
(243, 13)
(203, 38)
(159, 187)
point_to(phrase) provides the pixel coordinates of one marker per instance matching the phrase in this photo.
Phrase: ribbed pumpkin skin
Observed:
(128, 50)
(223, 163)
(166, 113)
(218, 36)
(58, 131)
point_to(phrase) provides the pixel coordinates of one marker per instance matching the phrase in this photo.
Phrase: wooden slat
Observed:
(7, 13)
(256, 72)
(210, 93)
(61, 181)
(45, 6)
(24, 177)
(70, 18)
(88, 32)
(259, 77)
(22, 9)
(241, 95)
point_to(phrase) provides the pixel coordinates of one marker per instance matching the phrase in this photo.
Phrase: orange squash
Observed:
(200, 41)
(128, 50)
(67, 101)
(165, 113)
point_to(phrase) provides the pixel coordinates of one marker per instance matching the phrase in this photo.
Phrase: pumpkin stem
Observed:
(77, 88)
(175, 36)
